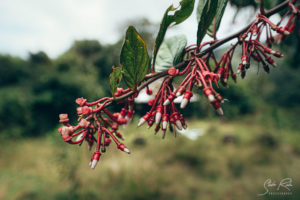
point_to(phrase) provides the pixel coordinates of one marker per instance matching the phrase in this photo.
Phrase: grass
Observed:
(230, 161)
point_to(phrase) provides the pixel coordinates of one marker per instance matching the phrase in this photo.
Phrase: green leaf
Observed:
(206, 12)
(115, 79)
(179, 15)
(134, 58)
(219, 14)
(170, 52)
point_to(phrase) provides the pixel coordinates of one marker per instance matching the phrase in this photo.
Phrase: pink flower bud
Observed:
(95, 159)
(175, 117)
(148, 91)
(87, 110)
(170, 98)
(184, 126)
(79, 110)
(158, 114)
(173, 71)
(180, 91)
(217, 106)
(81, 101)
(209, 94)
(282, 30)
(63, 118)
(219, 98)
(244, 60)
(107, 141)
(122, 147)
(151, 102)
(186, 98)
(123, 112)
(84, 123)
(165, 119)
(114, 126)
(144, 119)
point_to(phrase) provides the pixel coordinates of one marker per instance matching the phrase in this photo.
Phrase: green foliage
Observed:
(170, 52)
(134, 58)
(218, 17)
(244, 3)
(176, 168)
(115, 79)
(206, 12)
(172, 16)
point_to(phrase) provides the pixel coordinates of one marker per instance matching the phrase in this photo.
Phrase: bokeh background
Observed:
(53, 52)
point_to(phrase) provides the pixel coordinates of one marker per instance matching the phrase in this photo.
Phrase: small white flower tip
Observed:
(286, 33)
(272, 52)
(211, 97)
(127, 150)
(274, 64)
(225, 80)
(244, 62)
(79, 137)
(94, 164)
(141, 122)
(157, 118)
(148, 127)
(178, 124)
(90, 163)
(238, 71)
(178, 94)
(184, 103)
(164, 125)
(167, 102)
(220, 111)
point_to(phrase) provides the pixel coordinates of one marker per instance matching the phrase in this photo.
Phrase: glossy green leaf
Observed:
(134, 58)
(206, 12)
(115, 79)
(170, 52)
(172, 16)
(219, 14)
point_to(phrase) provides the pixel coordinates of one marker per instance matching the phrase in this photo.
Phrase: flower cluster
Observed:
(163, 110)
(200, 71)
(97, 125)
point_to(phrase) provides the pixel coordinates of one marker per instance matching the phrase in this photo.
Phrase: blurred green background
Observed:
(258, 138)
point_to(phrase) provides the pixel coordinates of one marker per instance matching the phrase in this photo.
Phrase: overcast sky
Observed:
(52, 25)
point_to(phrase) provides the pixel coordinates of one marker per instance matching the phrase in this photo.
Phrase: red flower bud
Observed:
(84, 123)
(86, 110)
(173, 71)
(122, 147)
(107, 141)
(81, 101)
(148, 91)
(170, 98)
(95, 159)
(186, 98)
(63, 118)
(151, 102)
(209, 94)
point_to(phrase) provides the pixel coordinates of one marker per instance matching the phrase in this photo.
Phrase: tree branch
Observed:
(155, 76)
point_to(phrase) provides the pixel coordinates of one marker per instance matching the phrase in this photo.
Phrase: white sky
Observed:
(52, 25)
